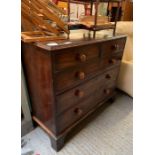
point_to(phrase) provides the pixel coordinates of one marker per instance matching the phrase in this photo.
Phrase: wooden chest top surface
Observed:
(75, 42)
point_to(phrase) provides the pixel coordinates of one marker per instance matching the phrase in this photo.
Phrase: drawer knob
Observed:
(115, 47)
(108, 76)
(112, 61)
(81, 75)
(82, 57)
(79, 93)
(78, 111)
(107, 91)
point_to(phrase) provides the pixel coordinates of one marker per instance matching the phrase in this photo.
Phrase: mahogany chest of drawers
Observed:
(67, 82)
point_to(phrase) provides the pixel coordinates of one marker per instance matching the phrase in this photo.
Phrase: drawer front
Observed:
(85, 91)
(112, 47)
(69, 79)
(75, 56)
(110, 61)
(78, 111)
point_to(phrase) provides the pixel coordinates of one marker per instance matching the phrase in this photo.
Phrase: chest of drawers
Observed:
(66, 83)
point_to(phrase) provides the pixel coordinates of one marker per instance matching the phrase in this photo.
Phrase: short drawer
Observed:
(84, 91)
(75, 56)
(111, 61)
(66, 119)
(112, 47)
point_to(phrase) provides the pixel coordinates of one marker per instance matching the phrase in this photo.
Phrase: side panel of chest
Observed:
(37, 66)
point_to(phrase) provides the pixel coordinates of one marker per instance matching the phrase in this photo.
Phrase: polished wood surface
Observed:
(75, 56)
(66, 83)
(85, 91)
(76, 112)
(37, 66)
(76, 42)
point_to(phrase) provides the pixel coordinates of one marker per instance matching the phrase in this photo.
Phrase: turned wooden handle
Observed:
(79, 93)
(108, 76)
(106, 91)
(115, 47)
(82, 57)
(78, 111)
(112, 61)
(81, 75)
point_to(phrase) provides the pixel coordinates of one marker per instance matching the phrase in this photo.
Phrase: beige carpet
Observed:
(110, 133)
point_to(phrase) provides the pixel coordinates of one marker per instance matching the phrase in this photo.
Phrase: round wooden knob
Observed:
(107, 91)
(78, 111)
(81, 75)
(115, 47)
(79, 93)
(82, 57)
(108, 76)
(112, 61)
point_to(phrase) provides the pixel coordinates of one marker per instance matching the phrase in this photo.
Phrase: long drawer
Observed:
(72, 115)
(82, 92)
(73, 77)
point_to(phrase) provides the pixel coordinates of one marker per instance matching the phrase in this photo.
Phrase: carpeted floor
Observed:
(110, 133)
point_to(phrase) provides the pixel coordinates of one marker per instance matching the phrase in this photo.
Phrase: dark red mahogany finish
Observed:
(67, 83)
